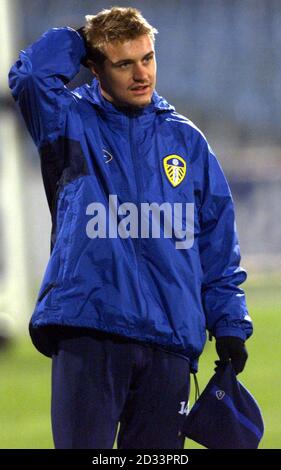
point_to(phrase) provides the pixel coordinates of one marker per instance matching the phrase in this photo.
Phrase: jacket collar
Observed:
(93, 94)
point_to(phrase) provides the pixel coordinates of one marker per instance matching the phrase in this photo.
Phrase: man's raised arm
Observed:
(38, 79)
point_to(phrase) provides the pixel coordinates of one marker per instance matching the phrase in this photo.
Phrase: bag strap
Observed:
(196, 386)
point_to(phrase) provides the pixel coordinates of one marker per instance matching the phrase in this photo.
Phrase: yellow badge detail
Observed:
(175, 169)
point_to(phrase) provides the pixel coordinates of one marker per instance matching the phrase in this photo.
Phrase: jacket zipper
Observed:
(133, 153)
(138, 198)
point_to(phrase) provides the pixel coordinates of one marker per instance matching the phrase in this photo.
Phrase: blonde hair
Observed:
(115, 25)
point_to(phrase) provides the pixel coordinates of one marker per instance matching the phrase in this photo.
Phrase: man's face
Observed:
(128, 75)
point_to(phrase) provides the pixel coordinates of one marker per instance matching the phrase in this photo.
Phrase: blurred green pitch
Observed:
(25, 377)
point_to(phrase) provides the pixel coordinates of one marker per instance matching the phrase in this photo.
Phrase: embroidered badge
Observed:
(175, 169)
(220, 394)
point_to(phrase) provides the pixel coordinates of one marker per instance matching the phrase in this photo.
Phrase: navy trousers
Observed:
(100, 381)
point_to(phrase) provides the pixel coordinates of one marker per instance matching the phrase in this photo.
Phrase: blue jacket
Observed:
(141, 287)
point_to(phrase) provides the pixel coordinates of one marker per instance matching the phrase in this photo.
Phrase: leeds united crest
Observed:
(175, 169)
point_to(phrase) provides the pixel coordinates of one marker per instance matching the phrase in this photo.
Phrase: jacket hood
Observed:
(93, 94)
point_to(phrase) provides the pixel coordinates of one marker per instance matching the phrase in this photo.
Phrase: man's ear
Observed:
(94, 69)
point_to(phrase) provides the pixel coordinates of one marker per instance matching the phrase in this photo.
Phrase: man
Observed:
(144, 256)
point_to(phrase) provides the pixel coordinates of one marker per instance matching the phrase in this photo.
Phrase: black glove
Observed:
(232, 348)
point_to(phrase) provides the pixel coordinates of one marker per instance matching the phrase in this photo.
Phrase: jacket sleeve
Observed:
(37, 80)
(223, 301)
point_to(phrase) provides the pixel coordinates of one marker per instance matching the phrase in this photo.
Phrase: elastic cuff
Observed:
(224, 331)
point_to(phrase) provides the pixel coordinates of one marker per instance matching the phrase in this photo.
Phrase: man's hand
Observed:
(231, 348)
